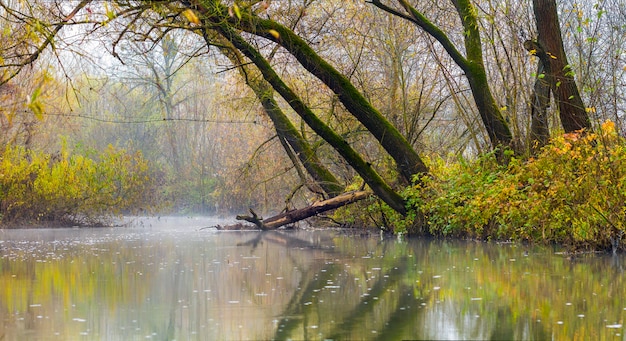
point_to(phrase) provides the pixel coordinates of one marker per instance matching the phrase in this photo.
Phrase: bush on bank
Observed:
(64, 189)
(573, 193)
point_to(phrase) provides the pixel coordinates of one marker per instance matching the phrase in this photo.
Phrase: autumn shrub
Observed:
(573, 193)
(37, 187)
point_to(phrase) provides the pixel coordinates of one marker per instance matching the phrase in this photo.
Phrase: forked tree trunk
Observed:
(539, 99)
(363, 168)
(571, 108)
(472, 63)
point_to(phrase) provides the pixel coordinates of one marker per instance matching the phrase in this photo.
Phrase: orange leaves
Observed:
(608, 128)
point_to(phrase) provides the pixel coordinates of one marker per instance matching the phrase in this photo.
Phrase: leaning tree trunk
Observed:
(407, 160)
(286, 131)
(571, 108)
(363, 168)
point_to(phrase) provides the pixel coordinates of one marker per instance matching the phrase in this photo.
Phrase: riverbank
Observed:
(573, 193)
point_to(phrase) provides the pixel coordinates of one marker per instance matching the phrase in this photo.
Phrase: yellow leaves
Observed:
(237, 11)
(590, 110)
(109, 12)
(191, 16)
(40, 186)
(35, 105)
(274, 33)
(608, 128)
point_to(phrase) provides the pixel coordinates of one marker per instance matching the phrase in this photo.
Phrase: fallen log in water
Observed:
(293, 216)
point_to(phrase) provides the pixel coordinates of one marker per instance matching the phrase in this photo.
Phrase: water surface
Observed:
(169, 279)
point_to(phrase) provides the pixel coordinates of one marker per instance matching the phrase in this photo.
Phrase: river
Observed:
(169, 279)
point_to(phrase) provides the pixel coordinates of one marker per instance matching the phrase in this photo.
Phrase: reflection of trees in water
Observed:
(436, 289)
(389, 300)
(309, 285)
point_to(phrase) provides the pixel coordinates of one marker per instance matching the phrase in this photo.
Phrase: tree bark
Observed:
(571, 108)
(540, 99)
(293, 216)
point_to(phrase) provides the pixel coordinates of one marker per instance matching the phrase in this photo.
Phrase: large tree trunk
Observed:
(293, 216)
(540, 99)
(364, 169)
(571, 108)
(285, 130)
(408, 161)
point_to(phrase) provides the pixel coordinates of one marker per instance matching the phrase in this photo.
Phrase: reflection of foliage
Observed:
(309, 285)
(70, 189)
(572, 193)
(67, 285)
(411, 290)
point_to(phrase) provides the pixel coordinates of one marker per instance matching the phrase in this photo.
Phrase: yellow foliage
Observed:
(191, 16)
(274, 33)
(67, 188)
(572, 193)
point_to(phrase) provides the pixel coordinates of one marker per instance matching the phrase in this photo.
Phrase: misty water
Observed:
(169, 279)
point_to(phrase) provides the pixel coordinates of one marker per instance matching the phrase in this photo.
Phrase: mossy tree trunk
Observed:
(395, 144)
(295, 145)
(571, 108)
(472, 63)
(363, 168)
